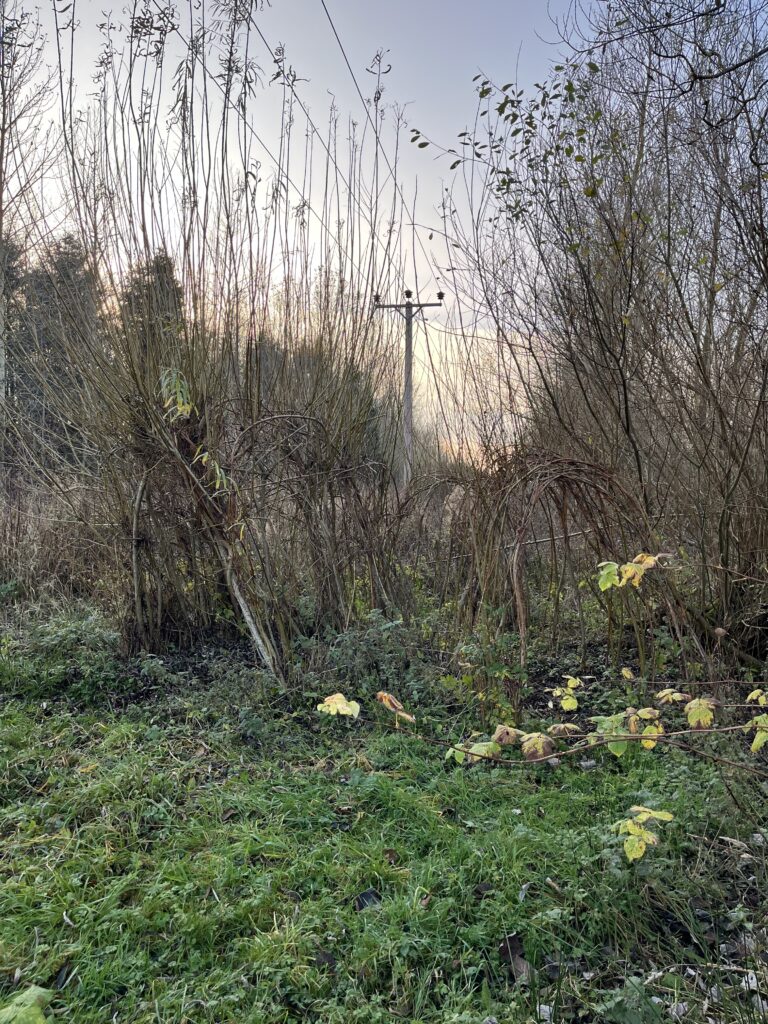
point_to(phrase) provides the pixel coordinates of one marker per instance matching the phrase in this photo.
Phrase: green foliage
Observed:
(631, 1004)
(74, 654)
(490, 663)
(377, 654)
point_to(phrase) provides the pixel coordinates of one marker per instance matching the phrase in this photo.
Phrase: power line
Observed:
(249, 126)
(290, 83)
(373, 125)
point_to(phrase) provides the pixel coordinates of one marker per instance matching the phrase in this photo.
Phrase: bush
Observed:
(73, 654)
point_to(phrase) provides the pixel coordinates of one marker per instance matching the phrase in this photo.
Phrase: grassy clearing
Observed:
(157, 866)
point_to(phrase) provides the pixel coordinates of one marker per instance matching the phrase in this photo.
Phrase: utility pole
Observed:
(407, 310)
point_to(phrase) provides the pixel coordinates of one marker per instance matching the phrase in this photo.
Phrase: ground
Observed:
(184, 859)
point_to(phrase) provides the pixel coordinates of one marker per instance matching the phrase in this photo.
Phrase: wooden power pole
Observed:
(407, 310)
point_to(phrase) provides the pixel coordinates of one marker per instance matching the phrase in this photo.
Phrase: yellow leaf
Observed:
(701, 712)
(633, 828)
(657, 729)
(633, 722)
(671, 696)
(647, 713)
(760, 725)
(569, 702)
(572, 682)
(627, 673)
(631, 573)
(634, 848)
(647, 561)
(646, 813)
(337, 704)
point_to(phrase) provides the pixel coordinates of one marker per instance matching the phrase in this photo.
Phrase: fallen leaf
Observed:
(511, 954)
(536, 746)
(337, 704)
(27, 1007)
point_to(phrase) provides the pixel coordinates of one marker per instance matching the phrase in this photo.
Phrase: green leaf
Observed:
(482, 751)
(27, 1007)
(458, 754)
(618, 747)
(608, 576)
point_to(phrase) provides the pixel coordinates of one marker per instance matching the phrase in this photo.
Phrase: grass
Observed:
(157, 866)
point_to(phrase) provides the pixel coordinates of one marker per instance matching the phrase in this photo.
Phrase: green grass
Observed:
(155, 867)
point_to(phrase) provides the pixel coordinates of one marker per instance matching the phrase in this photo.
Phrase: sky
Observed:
(434, 48)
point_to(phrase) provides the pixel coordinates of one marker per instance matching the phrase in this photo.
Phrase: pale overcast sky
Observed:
(434, 48)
